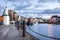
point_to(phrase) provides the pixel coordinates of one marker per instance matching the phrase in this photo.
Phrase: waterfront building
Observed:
(19, 18)
(13, 16)
(6, 20)
(26, 19)
(22, 18)
(40, 20)
(54, 18)
(58, 18)
(32, 20)
(1, 20)
(10, 14)
(50, 21)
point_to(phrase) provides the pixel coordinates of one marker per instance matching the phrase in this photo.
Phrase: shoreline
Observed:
(49, 22)
(31, 36)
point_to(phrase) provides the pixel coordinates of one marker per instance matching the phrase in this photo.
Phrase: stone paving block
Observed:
(10, 32)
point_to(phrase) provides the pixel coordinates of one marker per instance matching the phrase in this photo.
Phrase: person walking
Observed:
(17, 23)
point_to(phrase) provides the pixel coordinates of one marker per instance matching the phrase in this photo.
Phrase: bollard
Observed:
(23, 29)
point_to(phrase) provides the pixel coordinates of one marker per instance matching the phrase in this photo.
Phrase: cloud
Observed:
(12, 0)
(39, 1)
(45, 8)
(47, 11)
(32, 6)
(59, 1)
(21, 7)
(51, 11)
(42, 1)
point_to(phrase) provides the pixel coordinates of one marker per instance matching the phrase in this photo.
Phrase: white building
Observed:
(6, 20)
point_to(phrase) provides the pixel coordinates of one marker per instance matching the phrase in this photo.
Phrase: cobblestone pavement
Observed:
(10, 32)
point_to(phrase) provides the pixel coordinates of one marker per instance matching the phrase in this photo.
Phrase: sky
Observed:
(32, 8)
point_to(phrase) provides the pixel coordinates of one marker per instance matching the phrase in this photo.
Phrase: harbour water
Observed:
(45, 31)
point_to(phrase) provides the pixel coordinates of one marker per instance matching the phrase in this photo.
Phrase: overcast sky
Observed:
(31, 6)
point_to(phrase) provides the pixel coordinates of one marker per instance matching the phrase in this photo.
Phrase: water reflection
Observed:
(50, 30)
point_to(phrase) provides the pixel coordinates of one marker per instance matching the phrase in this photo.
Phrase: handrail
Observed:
(43, 35)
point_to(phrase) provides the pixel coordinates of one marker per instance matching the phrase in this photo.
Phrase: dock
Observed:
(10, 32)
